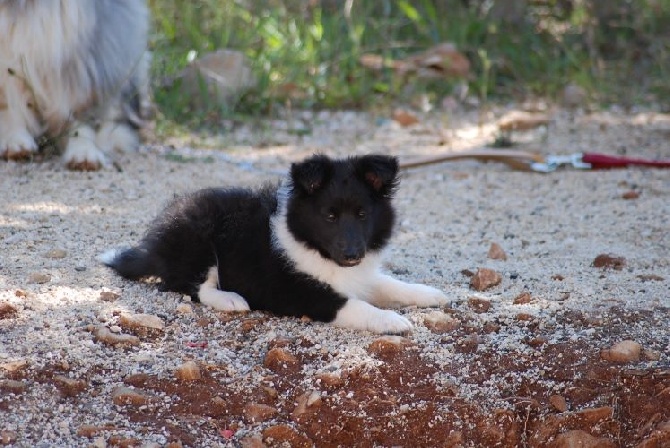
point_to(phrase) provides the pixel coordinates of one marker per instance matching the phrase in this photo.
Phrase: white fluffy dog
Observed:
(75, 71)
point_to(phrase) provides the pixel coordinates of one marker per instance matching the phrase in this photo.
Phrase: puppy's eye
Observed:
(331, 216)
(361, 214)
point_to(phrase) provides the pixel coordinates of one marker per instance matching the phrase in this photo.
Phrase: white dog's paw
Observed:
(425, 296)
(17, 144)
(359, 315)
(223, 300)
(114, 136)
(81, 153)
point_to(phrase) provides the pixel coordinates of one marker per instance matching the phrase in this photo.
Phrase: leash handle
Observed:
(605, 161)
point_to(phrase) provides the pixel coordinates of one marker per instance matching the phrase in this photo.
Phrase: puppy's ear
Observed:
(379, 172)
(312, 174)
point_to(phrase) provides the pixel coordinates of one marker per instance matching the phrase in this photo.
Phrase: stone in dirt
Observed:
(330, 381)
(278, 359)
(278, 434)
(188, 371)
(522, 121)
(484, 279)
(8, 437)
(14, 366)
(559, 403)
(92, 430)
(13, 386)
(6, 310)
(104, 335)
(257, 412)
(128, 396)
(496, 252)
(607, 261)
(69, 387)
(39, 278)
(581, 439)
(56, 254)
(522, 298)
(624, 351)
(439, 322)
(386, 346)
(310, 399)
(143, 325)
(108, 296)
(479, 305)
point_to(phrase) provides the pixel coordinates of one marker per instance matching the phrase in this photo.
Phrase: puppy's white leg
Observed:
(388, 292)
(359, 315)
(211, 295)
(81, 152)
(16, 122)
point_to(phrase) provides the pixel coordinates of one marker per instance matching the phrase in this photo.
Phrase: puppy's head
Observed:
(342, 208)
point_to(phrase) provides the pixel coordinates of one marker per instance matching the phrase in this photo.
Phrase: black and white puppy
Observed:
(310, 247)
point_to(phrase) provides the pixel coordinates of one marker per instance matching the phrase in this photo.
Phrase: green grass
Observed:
(305, 54)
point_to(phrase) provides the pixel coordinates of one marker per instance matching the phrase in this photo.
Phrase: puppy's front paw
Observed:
(81, 153)
(17, 144)
(359, 315)
(425, 296)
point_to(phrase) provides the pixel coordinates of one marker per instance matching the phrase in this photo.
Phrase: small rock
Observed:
(92, 430)
(69, 387)
(279, 434)
(484, 279)
(254, 441)
(6, 310)
(188, 371)
(606, 261)
(624, 351)
(404, 117)
(104, 335)
(523, 121)
(13, 386)
(143, 325)
(650, 277)
(305, 401)
(118, 441)
(439, 322)
(592, 416)
(8, 437)
(108, 296)
(184, 308)
(330, 381)
(559, 403)
(524, 317)
(522, 298)
(580, 439)
(496, 252)
(56, 254)
(256, 412)
(14, 366)
(21, 293)
(129, 396)
(651, 355)
(631, 194)
(468, 344)
(39, 278)
(278, 359)
(388, 346)
(479, 305)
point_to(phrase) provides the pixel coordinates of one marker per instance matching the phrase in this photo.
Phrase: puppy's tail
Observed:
(134, 263)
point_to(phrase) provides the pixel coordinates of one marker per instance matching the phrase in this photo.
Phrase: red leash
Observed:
(604, 161)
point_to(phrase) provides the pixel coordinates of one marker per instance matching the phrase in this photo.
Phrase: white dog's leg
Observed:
(81, 152)
(114, 136)
(16, 121)
(359, 315)
(388, 292)
(211, 295)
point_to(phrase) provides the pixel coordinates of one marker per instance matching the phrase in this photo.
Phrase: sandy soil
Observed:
(532, 361)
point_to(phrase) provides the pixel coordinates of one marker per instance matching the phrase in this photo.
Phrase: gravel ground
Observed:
(531, 361)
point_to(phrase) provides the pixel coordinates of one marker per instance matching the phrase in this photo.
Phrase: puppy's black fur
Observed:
(339, 208)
